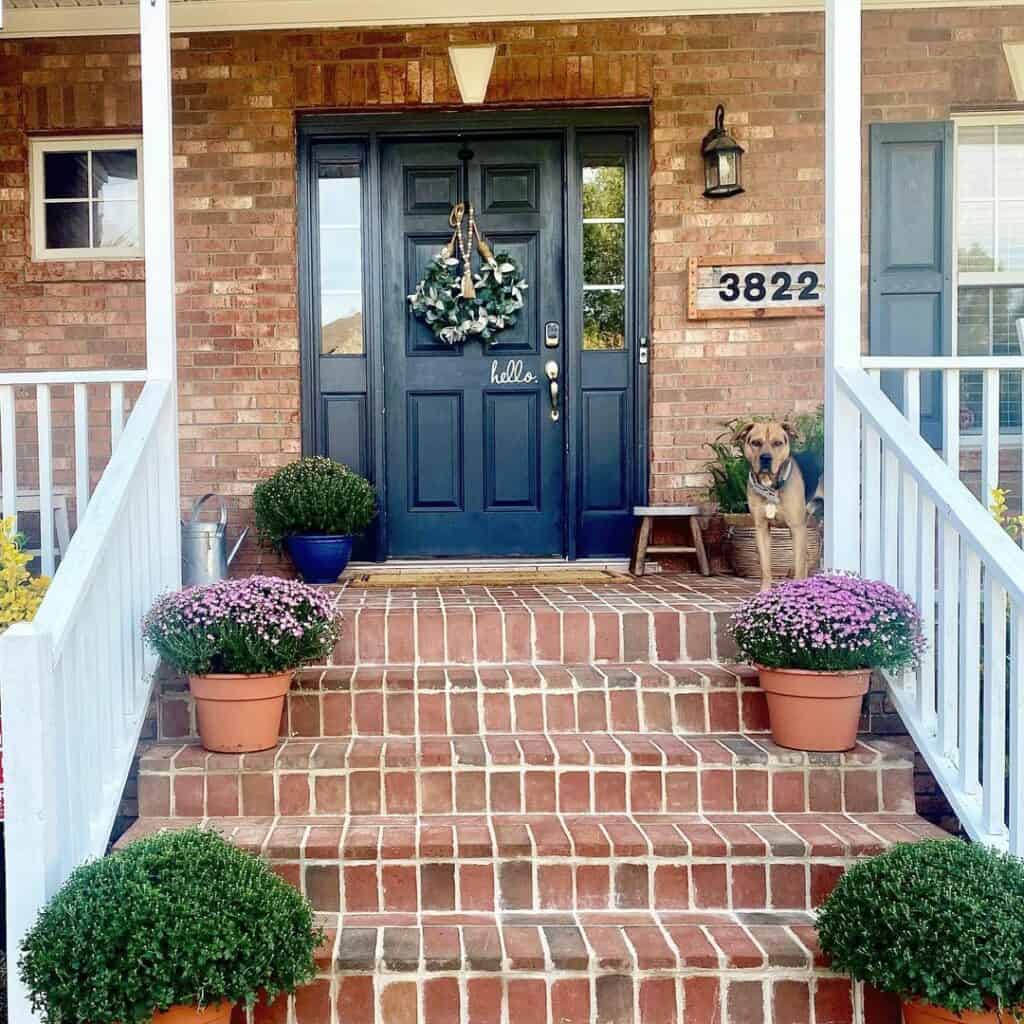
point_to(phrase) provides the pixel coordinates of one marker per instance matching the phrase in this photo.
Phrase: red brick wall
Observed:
(234, 114)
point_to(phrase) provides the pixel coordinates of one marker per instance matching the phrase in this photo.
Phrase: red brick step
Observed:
(587, 968)
(470, 701)
(525, 773)
(563, 862)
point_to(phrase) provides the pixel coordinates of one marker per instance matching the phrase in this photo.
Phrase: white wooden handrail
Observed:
(923, 530)
(925, 363)
(75, 682)
(19, 378)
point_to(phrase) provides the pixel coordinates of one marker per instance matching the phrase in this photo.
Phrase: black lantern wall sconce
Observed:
(723, 160)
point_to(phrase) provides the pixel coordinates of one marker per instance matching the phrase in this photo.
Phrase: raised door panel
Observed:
(434, 460)
(511, 451)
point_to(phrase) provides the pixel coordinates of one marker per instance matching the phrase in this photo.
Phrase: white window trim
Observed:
(38, 148)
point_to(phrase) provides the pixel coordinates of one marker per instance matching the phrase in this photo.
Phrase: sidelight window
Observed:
(339, 192)
(604, 254)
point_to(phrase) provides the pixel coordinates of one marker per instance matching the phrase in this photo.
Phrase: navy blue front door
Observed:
(475, 459)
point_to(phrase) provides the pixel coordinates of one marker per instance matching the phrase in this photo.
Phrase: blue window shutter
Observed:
(911, 273)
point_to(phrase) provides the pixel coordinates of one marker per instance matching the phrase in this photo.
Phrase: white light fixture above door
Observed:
(472, 66)
(1015, 58)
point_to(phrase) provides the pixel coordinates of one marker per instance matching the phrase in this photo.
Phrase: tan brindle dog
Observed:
(780, 486)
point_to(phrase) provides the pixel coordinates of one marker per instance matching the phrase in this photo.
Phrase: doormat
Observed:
(494, 578)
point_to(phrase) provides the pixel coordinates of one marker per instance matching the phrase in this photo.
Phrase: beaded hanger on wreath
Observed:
(461, 242)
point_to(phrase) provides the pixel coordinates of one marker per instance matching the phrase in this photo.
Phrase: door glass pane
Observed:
(115, 174)
(67, 225)
(66, 175)
(604, 253)
(1010, 159)
(604, 191)
(341, 260)
(604, 319)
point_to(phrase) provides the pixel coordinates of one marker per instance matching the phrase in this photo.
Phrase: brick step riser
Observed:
(784, 996)
(327, 713)
(562, 884)
(509, 635)
(636, 789)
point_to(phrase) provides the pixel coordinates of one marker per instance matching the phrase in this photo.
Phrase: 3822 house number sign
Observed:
(769, 286)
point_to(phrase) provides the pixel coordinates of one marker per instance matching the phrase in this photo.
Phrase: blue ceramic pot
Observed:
(318, 557)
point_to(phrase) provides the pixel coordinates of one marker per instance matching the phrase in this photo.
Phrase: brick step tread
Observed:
(580, 941)
(499, 627)
(528, 749)
(562, 862)
(526, 772)
(463, 700)
(560, 837)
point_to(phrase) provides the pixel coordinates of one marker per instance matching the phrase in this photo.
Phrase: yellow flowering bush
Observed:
(20, 591)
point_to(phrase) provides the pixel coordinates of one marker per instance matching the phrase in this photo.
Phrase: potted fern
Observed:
(940, 924)
(177, 928)
(313, 508)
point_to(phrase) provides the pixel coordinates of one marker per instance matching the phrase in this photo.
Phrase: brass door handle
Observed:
(551, 371)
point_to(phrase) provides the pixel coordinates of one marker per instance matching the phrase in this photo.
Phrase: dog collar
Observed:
(770, 492)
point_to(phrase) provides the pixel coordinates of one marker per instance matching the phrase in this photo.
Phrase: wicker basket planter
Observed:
(743, 548)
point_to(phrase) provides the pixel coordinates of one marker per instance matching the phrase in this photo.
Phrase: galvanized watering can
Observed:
(204, 557)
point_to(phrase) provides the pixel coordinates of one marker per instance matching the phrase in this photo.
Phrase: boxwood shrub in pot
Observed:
(313, 508)
(940, 924)
(176, 921)
(239, 642)
(815, 643)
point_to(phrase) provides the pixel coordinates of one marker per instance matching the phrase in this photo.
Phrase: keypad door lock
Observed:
(552, 334)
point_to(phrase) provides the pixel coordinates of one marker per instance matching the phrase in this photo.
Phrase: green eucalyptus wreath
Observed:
(439, 302)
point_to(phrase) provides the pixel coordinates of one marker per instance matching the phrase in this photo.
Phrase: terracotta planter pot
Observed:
(814, 710)
(219, 1014)
(924, 1013)
(239, 714)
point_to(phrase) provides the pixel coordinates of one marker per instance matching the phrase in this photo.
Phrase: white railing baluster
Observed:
(1015, 759)
(970, 670)
(912, 398)
(890, 516)
(993, 757)
(44, 441)
(116, 413)
(948, 654)
(951, 420)
(8, 455)
(990, 432)
(871, 490)
(926, 689)
(908, 535)
(82, 480)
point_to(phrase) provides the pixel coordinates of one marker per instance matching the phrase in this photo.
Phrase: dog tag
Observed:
(770, 510)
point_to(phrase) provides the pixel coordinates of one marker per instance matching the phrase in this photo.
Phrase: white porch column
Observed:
(842, 278)
(158, 212)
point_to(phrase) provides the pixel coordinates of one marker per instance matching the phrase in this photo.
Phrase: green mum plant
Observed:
(175, 918)
(313, 495)
(941, 921)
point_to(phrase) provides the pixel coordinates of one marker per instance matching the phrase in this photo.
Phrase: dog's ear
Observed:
(791, 431)
(740, 437)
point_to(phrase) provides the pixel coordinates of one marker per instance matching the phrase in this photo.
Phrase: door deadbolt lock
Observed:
(552, 334)
(551, 372)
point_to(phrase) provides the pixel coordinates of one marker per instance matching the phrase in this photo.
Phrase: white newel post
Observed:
(842, 278)
(158, 208)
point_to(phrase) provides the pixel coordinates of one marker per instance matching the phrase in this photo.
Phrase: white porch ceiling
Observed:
(118, 17)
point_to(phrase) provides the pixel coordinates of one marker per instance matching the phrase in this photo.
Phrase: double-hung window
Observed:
(86, 198)
(990, 259)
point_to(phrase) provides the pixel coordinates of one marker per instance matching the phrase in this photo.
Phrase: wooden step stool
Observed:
(646, 514)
